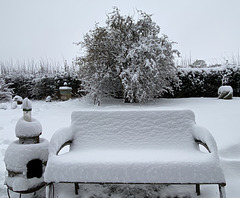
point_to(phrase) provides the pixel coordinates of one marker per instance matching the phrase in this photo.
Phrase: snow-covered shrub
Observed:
(127, 59)
(22, 84)
(225, 92)
(44, 86)
(18, 99)
(198, 64)
(48, 99)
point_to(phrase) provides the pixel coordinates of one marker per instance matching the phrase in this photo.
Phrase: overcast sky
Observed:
(47, 29)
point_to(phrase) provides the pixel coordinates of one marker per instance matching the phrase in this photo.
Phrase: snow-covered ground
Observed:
(220, 117)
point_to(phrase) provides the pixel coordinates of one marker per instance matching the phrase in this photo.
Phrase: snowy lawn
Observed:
(220, 117)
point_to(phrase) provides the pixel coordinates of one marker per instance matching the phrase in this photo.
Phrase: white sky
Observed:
(46, 29)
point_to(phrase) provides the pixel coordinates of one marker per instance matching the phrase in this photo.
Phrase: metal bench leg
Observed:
(76, 188)
(222, 191)
(50, 191)
(198, 189)
(8, 193)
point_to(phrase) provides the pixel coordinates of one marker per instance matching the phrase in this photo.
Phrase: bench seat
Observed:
(135, 166)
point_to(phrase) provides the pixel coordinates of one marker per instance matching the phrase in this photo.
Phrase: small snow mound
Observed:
(3, 106)
(14, 105)
(49, 99)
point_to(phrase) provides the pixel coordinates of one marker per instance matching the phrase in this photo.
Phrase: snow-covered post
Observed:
(27, 109)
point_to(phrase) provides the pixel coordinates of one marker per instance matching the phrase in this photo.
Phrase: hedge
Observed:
(194, 82)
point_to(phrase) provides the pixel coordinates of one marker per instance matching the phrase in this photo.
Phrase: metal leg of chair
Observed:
(198, 189)
(8, 193)
(76, 188)
(222, 191)
(50, 191)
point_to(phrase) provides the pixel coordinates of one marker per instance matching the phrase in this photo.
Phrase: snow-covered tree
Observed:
(198, 64)
(127, 58)
(5, 91)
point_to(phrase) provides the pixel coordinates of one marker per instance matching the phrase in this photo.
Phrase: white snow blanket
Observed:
(133, 146)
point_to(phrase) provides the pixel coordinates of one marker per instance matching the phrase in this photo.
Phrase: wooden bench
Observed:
(134, 147)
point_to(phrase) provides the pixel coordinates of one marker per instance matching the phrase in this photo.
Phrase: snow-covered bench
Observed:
(134, 147)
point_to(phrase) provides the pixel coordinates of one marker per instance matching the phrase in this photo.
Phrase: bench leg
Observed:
(50, 191)
(198, 189)
(222, 191)
(76, 188)
(8, 193)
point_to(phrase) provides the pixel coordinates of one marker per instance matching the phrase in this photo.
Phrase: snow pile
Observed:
(3, 106)
(133, 147)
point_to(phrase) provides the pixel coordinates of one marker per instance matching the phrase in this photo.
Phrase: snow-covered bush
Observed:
(127, 59)
(198, 64)
(48, 99)
(225, 92)
(18, 99)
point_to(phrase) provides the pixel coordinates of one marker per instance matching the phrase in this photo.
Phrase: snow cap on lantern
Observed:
(27, 128)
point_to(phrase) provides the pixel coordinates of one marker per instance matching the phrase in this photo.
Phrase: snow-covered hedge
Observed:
(194, 82)
(204, 82)
(35, 86)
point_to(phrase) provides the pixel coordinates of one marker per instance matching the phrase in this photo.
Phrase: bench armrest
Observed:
(60, 138)
(204, 137)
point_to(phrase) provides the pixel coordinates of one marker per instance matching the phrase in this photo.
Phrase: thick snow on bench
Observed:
(133, 147)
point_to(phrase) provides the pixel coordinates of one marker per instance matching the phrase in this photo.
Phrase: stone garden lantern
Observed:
(65, 92)
(26, 158)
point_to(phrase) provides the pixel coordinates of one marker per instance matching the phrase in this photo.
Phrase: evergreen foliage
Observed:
(127, 59)
(5, 90)
(37, 86)
(205, 82)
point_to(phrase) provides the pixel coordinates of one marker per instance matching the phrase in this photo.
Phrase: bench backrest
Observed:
(132, 129)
